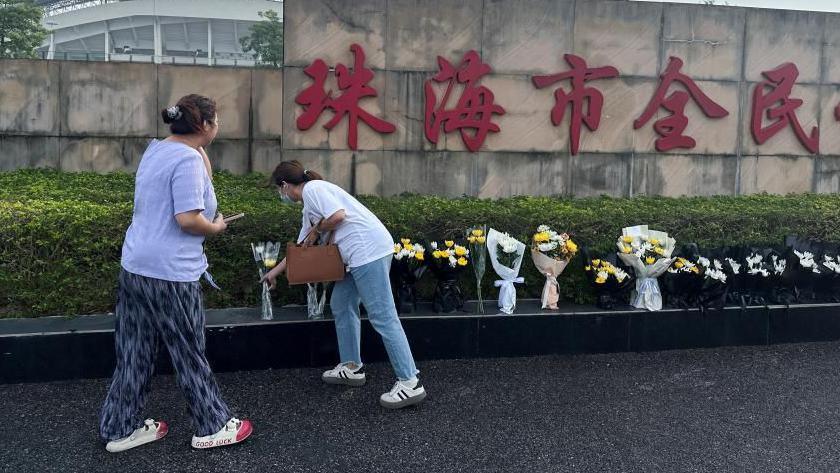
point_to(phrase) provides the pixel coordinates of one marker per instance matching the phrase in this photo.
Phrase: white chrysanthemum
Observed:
(543, 228)
(620, 275)
(716, 274)
(736, 267)
(704, 261)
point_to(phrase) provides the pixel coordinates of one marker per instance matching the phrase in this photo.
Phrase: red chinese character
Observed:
(475, 108)
(315, 99)
(579, 95)
(671, 127)
(780, 83)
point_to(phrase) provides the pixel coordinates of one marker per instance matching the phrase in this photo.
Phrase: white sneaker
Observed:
(342, 374)
(233, 432)
(403, 394)
(150, 432)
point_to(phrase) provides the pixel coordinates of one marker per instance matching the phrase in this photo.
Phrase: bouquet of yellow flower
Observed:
(407, 268)
(551, 252)
(266, 255)
(606, 278)
(648, 252)
(447, 262)
(477, 240)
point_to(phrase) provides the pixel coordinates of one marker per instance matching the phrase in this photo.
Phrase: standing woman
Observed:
(159, 296)
(367, 249)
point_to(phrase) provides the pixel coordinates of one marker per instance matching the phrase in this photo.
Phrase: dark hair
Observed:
(294, 173)
(189, 114)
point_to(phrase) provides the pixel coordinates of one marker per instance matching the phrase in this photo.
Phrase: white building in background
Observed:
(161, 31)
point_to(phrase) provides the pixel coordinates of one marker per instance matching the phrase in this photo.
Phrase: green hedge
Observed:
(60, 234)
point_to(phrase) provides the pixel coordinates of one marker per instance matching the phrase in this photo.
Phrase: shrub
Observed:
(61, 234)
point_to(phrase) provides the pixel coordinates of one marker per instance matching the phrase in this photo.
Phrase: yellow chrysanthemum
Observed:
(460, 251)
(409, 247)
(659, 251)
(270, 263)
(449, 243)
(627, 239)
(420, 256)
(571, 246)
(541, 237)
(477, 232)
(626, 249)
(462, 261)
(695, 270)
(471, 239)
(600, 280)
(609, 269)
(397, 248)
(596, 262)
(654, 241)
(480, 240)
(650, 260)
(679, 264)
(588, 268)
(405, 241)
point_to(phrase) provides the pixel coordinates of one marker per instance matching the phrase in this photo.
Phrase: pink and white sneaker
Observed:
(233, 432)
(152, 430)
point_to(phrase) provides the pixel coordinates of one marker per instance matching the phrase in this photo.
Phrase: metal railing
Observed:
(99, 56)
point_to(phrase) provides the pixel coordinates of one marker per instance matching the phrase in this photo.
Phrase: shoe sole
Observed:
(344, 382)
(161, 434)
(404, 403)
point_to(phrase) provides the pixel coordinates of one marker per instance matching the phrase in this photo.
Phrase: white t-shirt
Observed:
(361, 237)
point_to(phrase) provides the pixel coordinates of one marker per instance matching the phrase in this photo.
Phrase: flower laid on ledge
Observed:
(454, 255)
(603, 270)
(506, 257)
(806, 260)
(477, 241)
(831, 263)
(551, 252)
(446, 262)
(408, 267)
(648, 252)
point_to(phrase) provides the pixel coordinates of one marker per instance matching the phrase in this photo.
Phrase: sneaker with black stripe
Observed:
(403, 394)
(343, 374)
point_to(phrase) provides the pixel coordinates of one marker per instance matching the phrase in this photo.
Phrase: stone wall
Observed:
(99, 116)
(96, 116)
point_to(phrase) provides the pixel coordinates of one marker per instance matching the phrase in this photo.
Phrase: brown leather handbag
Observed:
(314, 263)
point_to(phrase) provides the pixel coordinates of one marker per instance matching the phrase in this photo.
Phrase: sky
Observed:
(815, 5)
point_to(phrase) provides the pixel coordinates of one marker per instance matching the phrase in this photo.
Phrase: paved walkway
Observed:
(761, 409)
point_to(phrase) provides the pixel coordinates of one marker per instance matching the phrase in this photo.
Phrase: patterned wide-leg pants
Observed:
(150, 312)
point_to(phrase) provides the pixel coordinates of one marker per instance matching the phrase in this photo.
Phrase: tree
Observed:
(266, 39)
(20, 29)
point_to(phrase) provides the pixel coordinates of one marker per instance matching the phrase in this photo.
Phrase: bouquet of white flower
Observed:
(506, 257)
(648, 252)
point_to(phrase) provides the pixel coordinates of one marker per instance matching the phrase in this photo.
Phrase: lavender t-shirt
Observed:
(171, 179)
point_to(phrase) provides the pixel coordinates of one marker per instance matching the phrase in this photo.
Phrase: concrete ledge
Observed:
(54, 348)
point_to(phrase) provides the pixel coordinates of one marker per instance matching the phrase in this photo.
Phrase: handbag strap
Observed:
(314, 229)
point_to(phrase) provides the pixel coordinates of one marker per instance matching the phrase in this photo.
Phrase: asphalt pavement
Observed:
(746, 409)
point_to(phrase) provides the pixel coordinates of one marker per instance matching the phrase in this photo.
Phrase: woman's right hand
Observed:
(219, 224)
(271, 276)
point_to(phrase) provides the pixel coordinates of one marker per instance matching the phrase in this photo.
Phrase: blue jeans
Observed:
(370, 285)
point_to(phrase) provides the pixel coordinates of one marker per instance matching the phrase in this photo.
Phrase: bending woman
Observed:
(367, 249)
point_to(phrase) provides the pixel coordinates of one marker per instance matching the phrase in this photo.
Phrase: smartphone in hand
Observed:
(233, 217)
